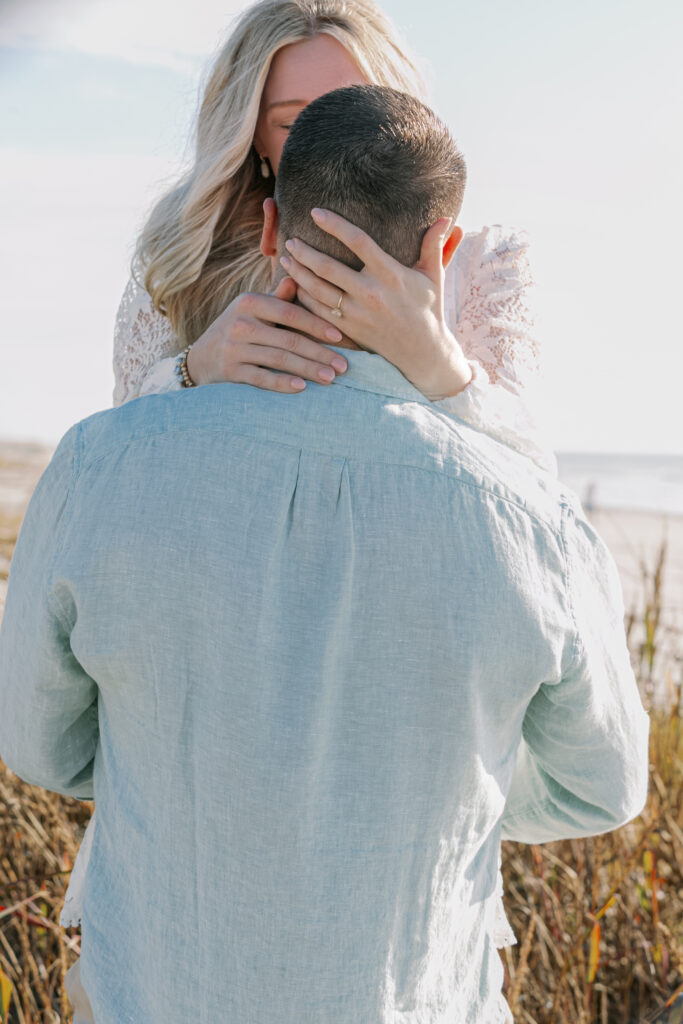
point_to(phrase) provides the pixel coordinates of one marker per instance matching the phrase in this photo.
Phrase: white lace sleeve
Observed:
(488, 285)
(145, 348)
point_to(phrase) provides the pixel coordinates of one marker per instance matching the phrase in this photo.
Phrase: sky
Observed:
(568, 117)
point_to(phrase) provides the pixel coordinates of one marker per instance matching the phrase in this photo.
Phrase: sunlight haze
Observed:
(567, 117)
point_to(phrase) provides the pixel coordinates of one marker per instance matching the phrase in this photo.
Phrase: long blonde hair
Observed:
(199, 248)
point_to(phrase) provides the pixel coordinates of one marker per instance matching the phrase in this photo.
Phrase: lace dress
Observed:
(487, 307)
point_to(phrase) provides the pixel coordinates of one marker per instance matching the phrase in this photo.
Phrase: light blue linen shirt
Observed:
(312, 656)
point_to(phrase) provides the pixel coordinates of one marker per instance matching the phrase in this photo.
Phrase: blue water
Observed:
(647, 483)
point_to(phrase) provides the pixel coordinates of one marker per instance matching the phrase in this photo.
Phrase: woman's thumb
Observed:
(286, 289)
(430, 261)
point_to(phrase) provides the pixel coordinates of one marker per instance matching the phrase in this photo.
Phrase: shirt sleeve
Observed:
(145, 348)
(490, 299)
(489, 308)
(583, 761)
(48, 704)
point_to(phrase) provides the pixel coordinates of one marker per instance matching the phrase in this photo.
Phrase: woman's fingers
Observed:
(285, 289)
(377, 261)
(320, 309)
(268, 380)
(343, 278)
(286, 362)
(277, 311)
(324, 293)
(431, 251)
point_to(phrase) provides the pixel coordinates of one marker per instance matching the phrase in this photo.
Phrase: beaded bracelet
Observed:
(182, 371)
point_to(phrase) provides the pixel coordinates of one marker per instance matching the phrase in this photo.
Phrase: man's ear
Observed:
(450, 244)
(270, 228)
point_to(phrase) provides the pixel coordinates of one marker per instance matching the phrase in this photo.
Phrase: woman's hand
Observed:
(243, 341)
(386, 308)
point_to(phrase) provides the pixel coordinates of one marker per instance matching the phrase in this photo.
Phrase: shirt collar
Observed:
(369, 371)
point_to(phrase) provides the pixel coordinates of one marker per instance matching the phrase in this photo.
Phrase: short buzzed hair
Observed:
(377, 157)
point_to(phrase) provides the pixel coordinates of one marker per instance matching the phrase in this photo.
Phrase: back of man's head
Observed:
(377, 157)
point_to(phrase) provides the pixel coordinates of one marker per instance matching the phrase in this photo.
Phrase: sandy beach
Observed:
(21, 465)
(634, 538)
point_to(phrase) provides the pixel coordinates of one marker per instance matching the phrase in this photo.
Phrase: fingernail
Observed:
(285, 261)
(318, 214)
(289, 244)
(297, 382)
(326, 374)
(339, 364)
(333, 334)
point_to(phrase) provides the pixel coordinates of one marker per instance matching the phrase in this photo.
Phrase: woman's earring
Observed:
(265, 169)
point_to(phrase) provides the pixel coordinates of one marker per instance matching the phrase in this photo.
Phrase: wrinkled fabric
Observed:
(312, 656)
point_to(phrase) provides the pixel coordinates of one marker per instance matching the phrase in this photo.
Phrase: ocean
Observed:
(639, 483)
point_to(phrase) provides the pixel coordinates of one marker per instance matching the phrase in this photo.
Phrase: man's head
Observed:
(377, 157)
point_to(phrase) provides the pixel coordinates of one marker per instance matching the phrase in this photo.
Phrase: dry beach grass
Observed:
(599, 920)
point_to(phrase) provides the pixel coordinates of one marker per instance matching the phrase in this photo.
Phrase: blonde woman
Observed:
(199, 278)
